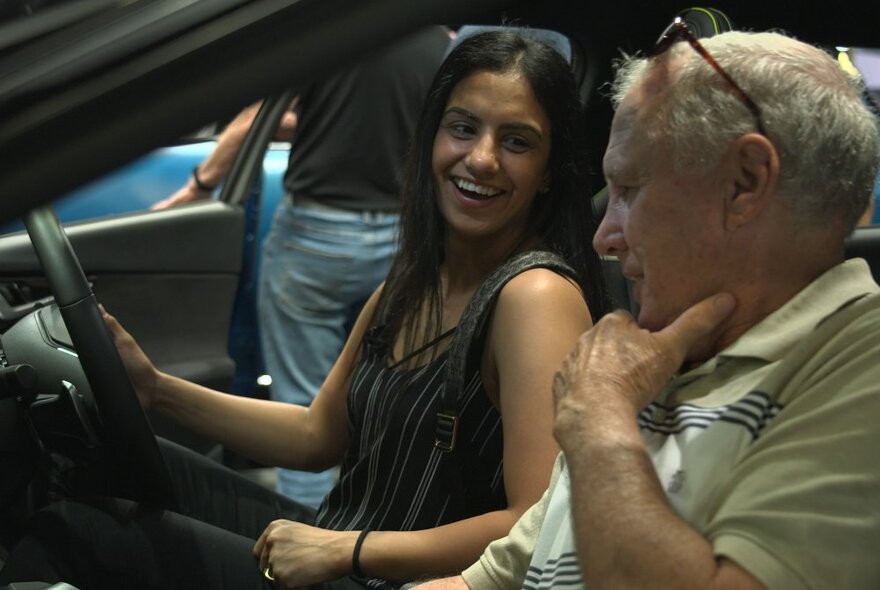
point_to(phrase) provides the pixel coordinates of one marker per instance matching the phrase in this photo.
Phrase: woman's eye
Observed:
(517, 144)
(461, 130)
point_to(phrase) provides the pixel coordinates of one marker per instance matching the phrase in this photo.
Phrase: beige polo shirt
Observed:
(778, 467)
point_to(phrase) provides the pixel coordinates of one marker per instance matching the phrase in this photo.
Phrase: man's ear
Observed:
(754, 172)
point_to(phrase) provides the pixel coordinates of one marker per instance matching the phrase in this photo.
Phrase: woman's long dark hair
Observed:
(562, 220)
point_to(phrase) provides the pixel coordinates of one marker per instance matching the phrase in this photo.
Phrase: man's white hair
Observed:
(812, 109)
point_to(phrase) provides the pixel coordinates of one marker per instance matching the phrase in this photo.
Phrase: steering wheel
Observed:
(130, 447)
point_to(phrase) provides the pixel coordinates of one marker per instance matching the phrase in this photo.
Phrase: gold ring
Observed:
(267, 573)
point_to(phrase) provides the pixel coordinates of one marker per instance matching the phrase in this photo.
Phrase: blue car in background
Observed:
(136, 187)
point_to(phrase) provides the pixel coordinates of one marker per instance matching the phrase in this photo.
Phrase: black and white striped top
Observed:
(393, 478)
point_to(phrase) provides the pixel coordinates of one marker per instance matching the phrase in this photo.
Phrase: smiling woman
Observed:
(497, 171)
(490, 157)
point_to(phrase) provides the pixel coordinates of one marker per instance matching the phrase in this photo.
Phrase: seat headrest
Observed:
(554, 39)
(705, 22)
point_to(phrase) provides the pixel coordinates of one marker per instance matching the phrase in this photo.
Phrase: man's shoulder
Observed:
(839, 354)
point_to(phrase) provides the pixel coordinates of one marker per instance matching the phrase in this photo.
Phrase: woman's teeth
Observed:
(476, 189)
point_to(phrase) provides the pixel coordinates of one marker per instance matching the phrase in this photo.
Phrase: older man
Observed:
(729, 436)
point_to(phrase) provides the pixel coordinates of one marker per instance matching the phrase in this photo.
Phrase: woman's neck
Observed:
(468, 263)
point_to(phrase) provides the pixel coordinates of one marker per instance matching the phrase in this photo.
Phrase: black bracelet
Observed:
(199, 184)
(356, 554)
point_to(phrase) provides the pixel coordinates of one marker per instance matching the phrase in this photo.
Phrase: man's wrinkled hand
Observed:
(617, 362)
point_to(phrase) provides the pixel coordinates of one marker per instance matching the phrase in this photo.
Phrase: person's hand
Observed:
(619, 362)
(286, 126)
(301, 555)
(141, 371)
(186, 194)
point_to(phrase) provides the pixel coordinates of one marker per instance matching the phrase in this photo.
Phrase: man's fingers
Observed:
(697, 322)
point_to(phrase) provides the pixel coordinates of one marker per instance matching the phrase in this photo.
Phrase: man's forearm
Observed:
(213, 170)
(626, 533)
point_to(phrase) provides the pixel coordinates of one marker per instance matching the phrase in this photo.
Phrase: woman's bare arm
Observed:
(272, 433)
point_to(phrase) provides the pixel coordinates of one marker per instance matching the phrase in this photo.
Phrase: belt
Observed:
(304, 202)
(312, 204)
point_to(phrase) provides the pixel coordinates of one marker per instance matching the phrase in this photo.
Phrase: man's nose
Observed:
(609, 239)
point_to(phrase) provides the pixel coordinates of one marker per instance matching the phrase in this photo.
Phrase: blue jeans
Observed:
(319, 266)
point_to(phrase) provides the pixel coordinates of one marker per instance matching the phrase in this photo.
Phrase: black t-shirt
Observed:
(355, 126)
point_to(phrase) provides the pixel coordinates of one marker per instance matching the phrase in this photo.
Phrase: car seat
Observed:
(865, 243)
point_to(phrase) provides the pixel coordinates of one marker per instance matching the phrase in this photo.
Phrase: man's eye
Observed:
(622, 192)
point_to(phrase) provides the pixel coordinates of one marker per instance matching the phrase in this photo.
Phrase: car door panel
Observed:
(169, 276)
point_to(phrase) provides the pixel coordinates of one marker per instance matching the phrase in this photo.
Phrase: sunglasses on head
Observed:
(678, 31)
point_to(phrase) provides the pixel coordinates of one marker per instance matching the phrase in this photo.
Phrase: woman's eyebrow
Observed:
(463, 112)
(523, 127)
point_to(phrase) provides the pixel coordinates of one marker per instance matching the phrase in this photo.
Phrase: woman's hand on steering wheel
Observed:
(143, 373)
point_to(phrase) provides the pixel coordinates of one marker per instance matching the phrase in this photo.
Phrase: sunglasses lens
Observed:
(667, 38)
